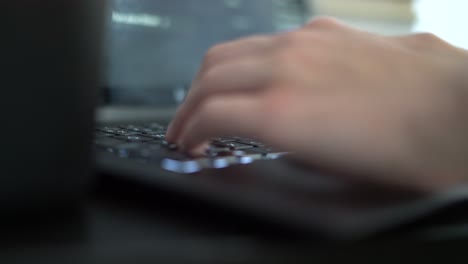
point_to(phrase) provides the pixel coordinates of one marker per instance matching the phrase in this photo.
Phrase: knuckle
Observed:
(291, 43)
(299, 40)
(324, 22)
(425, 41)
(291, 38)
(213, 53)
(427, 37)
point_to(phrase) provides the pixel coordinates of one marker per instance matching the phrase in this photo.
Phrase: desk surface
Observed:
(114, 227)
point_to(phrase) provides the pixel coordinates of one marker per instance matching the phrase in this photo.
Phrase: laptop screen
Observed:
(154, 47)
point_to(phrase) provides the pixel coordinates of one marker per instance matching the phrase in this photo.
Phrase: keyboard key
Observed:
(223, 140)
(99, 134)
(219, 163)
(150, 131)
(245, 159)
(133, 138)
(108, 142)
(168, 145)
(146, 144)
(132, 128)
(156, 136)
(214, 151)
(109, 130)
(259, 150)
(173, 155)
(127, 133)
(177, 166)
(266, 153)
(137, 150)
(131, 146)
(232, 145)
(155, 126)
(251, 142)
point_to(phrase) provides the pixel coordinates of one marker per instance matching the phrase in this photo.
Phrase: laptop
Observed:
(153, 51)
(51, 74)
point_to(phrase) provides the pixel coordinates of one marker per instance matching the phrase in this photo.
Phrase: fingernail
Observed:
(201, 150)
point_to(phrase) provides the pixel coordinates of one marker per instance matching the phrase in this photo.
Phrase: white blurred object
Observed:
(390, 17)
(382, 10)
(445, 18)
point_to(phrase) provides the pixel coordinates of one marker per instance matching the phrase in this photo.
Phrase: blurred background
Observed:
(445, 18)
(154, 47)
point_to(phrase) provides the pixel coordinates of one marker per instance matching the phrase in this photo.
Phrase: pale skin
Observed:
(389, 110)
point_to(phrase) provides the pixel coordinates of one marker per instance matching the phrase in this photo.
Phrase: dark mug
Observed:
(50, 61)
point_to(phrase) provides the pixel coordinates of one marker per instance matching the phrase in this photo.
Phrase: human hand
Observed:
(391, 110)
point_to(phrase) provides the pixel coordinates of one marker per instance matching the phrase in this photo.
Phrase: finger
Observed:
(222, 116)
(226, 53)
(237, 49)
(248, 76)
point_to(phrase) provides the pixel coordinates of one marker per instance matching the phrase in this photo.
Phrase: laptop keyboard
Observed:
(146, 144)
